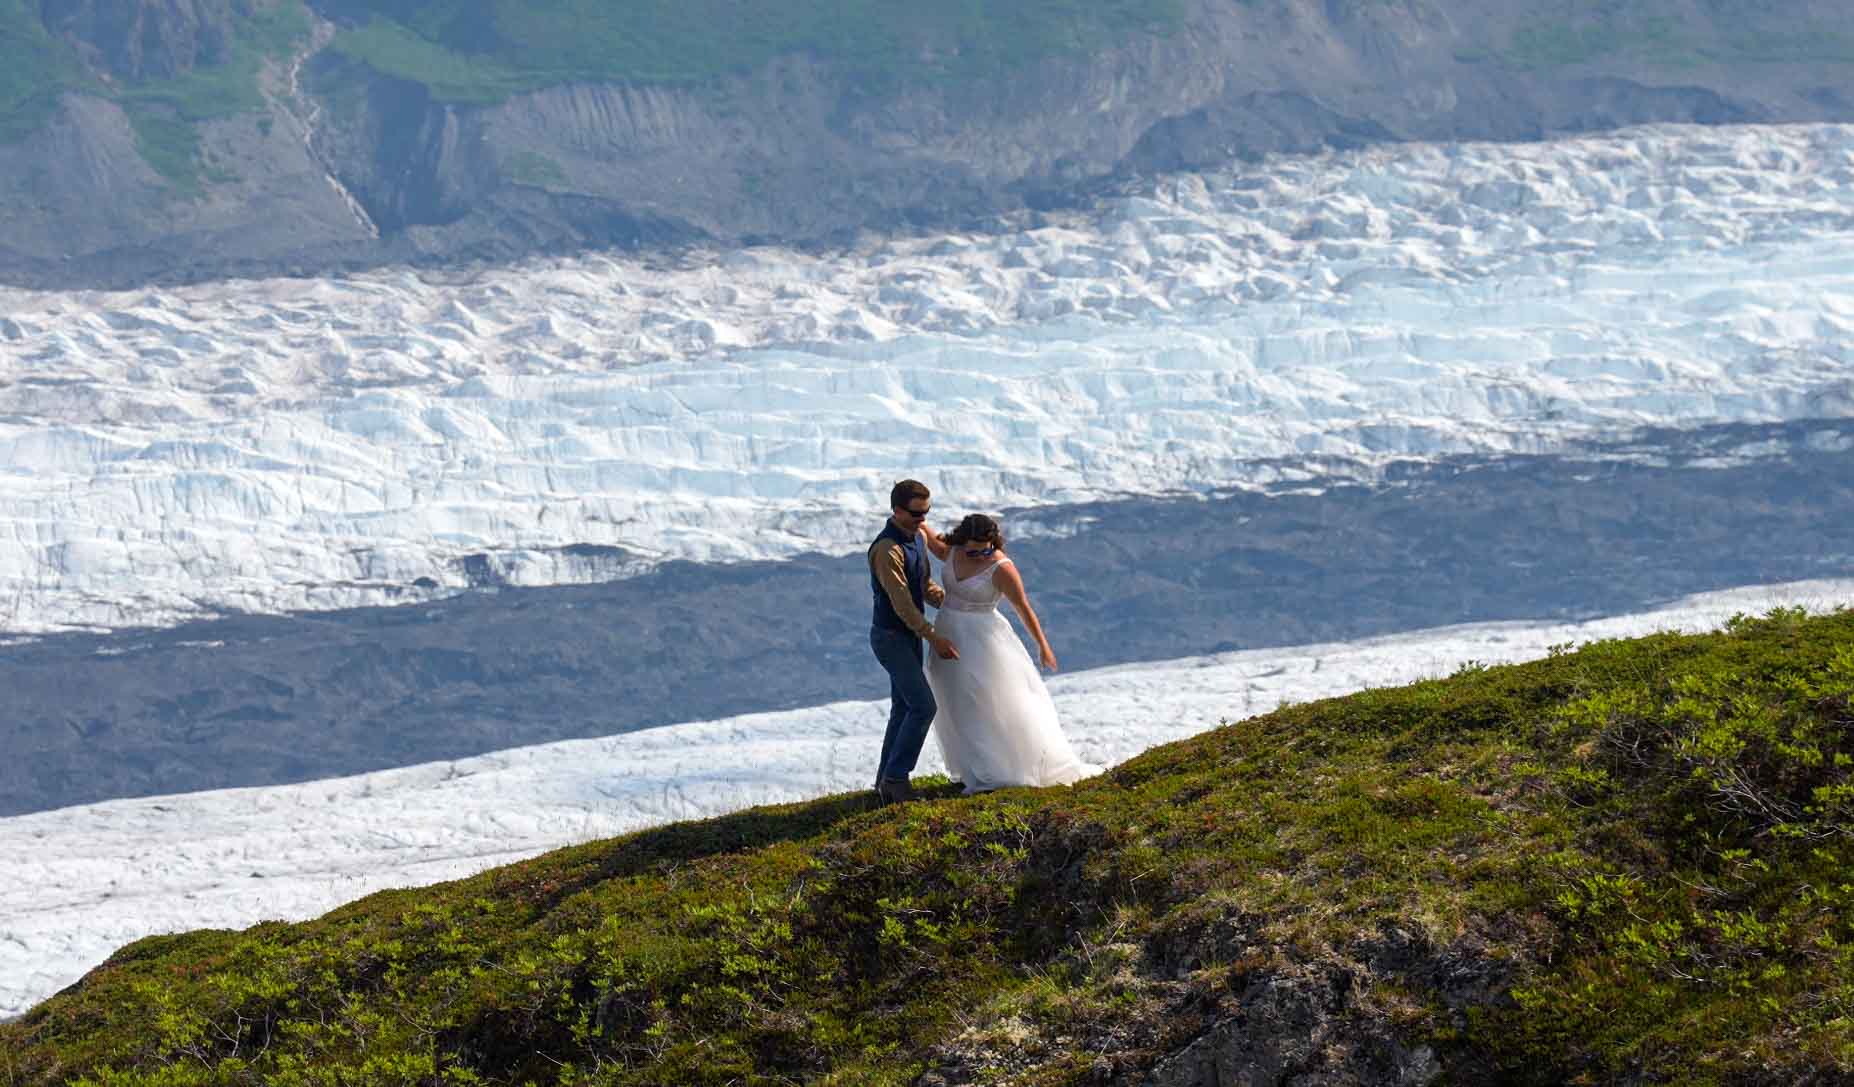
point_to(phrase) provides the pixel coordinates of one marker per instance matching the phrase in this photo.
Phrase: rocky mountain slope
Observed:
(170, 139)
(1620, 864)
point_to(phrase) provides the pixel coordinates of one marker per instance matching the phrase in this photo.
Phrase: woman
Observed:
(996, 724)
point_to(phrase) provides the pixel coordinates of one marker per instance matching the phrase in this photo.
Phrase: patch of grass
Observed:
(37, 67)
(534, 168)
(1636, 852)
(166, 113)
(487, 51)
(1548, 44)
(1736, 36)
(1819, 44)
(172, 147)
(230, 87)
(391, 49)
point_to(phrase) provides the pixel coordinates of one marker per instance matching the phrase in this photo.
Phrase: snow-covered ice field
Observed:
(77, 883)
(288, 444)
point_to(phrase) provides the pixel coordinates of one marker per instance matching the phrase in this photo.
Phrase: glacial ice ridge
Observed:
(286, 444)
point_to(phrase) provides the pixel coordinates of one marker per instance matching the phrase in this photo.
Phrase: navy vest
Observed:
(914, 555)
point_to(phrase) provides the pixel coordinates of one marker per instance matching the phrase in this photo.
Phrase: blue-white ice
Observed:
(79, 882)
(292, 444)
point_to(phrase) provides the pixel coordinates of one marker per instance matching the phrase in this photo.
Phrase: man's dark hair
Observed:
(905, 492)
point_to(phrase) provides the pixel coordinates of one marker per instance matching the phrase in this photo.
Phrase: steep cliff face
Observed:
(808, 148)
(144, 39)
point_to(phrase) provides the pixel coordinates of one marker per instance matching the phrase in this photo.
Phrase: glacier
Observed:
(79, 882)
(284, 444)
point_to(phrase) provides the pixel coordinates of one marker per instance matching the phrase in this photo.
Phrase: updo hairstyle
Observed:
(977, 528)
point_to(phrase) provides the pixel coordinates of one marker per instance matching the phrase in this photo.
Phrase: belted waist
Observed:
(959, 605)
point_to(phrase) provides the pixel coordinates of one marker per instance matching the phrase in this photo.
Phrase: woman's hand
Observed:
(1048, 657)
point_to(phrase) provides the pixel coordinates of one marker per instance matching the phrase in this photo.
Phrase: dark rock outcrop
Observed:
(143, 39)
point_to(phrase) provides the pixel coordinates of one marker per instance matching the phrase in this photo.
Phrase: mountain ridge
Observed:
(191, 153)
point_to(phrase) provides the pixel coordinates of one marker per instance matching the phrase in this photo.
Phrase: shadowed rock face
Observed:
(259, 700)
(805, 151)
(144, 39)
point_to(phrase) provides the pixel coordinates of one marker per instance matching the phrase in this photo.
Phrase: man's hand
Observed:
(943, 649)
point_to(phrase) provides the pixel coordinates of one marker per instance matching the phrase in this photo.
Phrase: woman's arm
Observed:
(936, 543)
(1011, 584)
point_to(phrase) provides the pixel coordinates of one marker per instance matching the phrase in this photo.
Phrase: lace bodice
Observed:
(975, 593)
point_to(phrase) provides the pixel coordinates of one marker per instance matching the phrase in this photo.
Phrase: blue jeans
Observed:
(911, 704)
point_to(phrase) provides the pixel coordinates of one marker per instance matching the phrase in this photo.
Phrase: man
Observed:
(899, 574)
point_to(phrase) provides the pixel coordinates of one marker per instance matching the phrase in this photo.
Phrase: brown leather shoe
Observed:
(896, 791)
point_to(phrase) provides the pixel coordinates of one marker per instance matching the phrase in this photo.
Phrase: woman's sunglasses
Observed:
(980, 552)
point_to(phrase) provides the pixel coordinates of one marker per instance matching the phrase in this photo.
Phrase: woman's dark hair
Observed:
(979, 529)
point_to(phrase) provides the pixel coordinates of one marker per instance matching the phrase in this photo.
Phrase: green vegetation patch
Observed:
(1627, 862)
(534, 168)
(1589, 32)
(487, 51)
(34, 68)
(172, 147)
(1547, 44)
(165, 113)
(230, 87)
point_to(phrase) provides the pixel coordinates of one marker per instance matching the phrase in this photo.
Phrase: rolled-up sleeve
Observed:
(889, 565)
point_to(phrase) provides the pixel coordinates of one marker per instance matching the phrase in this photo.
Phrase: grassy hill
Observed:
(37, 66)
(486, 51)
(1626, 863)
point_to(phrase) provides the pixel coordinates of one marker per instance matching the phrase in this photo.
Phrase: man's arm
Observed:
(891, 573)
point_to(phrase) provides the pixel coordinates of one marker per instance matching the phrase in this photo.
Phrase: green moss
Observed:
(230, 87)
(36, 68)
(1594, 32)
(1642, 844)
(172, 147)
(487, 51)
(166, 113)
(1792, 46)
(534, 168)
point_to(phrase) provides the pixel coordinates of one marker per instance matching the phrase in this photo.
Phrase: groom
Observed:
(898, 572)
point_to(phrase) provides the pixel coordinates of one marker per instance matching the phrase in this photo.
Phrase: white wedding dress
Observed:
(996, 724)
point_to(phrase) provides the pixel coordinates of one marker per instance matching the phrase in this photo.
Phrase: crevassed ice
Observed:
(286, 444)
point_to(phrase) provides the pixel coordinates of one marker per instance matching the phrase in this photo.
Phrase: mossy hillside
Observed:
(165, 114)
(36, 68)
(488, 51)
(1585, 31)
(1623, 863)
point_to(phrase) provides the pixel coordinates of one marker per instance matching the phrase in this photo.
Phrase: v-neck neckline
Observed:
(992, 565)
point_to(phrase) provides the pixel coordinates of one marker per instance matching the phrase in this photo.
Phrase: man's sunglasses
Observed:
(917, 514)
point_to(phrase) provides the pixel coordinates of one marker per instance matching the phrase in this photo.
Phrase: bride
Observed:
(996, 724)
